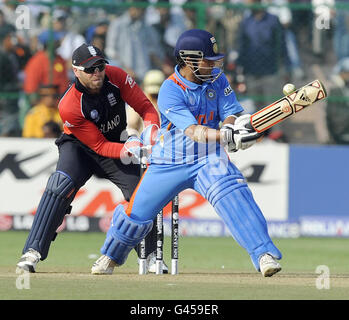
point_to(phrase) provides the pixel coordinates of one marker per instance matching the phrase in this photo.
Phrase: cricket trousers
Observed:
(75, 166)
(222, 184)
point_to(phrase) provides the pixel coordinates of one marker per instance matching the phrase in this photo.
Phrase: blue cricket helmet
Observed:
(195, 45)
(198, 40)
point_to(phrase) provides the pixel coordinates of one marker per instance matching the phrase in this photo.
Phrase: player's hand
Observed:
(133, 146)
(243, 123)
(244, 140)
(240, 135)
(149, 134)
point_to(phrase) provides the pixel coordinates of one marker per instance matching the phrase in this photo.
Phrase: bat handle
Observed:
(249, 126)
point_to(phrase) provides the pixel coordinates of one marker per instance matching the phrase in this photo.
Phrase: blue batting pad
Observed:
(233, 201)
(123, 235)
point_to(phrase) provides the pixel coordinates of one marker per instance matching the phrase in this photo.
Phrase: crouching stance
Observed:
(189, 153)
(216, 179)
(95, 101)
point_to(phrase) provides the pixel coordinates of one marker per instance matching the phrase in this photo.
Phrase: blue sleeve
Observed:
(228, 104)
(173, 107)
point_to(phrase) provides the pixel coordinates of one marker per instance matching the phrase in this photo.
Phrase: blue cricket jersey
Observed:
(183, 103)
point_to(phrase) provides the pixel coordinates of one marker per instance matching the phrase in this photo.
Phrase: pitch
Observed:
(210, 269)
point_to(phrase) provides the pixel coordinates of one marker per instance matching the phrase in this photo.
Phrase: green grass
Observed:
(210, 268)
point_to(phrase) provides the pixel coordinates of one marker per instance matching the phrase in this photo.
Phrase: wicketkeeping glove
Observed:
(149, 134)
(240, 135)
(134, 145)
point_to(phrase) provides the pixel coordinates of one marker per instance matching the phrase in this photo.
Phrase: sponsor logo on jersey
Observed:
(168, 110)
(228, 90)
(111, 99)
(67, 124)
(130, 81)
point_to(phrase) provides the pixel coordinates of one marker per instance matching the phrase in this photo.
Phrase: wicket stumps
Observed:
(160, 234)
(143, 256)
(160, 242)
(174, 235)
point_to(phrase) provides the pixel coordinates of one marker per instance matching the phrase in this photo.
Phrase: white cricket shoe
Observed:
(29, 260)
(151, 263)
(268, 265)
(103, 265)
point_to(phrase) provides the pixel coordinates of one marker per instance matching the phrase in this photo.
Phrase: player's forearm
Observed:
(104, 148)
(89, 135)
(110, 150)
(151, 116)
(229, 120)
(202, 134)
(142, 105)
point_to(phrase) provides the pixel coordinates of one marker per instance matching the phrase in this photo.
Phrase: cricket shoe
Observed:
(151, 263)
(103, 265)
(268, 265)
(29, 260)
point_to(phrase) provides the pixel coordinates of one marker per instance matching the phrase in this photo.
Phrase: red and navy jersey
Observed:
(99, 120)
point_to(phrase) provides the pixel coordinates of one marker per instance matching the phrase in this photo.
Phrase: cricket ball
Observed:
(288, 89)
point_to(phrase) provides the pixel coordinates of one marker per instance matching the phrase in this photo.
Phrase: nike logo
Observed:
(168, 110)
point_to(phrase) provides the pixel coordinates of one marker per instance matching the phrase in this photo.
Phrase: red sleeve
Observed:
(84, 130)
(132, 94)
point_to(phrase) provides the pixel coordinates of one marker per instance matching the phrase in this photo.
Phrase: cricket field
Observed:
(210, 269)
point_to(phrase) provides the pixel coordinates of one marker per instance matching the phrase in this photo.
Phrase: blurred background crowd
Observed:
(267, 43)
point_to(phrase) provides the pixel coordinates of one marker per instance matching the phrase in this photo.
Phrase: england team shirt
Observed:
(183, 103)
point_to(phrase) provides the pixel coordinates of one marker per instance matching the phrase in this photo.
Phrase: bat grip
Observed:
(249, 126)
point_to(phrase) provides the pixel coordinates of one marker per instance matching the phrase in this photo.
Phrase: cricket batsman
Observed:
(189, 153)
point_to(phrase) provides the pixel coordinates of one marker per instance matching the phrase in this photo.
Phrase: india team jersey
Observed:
(183, 103)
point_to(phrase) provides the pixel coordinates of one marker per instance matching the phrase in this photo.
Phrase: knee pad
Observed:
(123, 235)
(234, 203)
(150, 241)
(54, 204)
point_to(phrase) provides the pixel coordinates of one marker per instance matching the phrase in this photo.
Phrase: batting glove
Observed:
(240, 135)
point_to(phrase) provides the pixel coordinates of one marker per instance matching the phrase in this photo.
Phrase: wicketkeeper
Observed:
(189, 153)
(94, 117)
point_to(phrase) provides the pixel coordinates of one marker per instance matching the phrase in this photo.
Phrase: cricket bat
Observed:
(288, 106)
